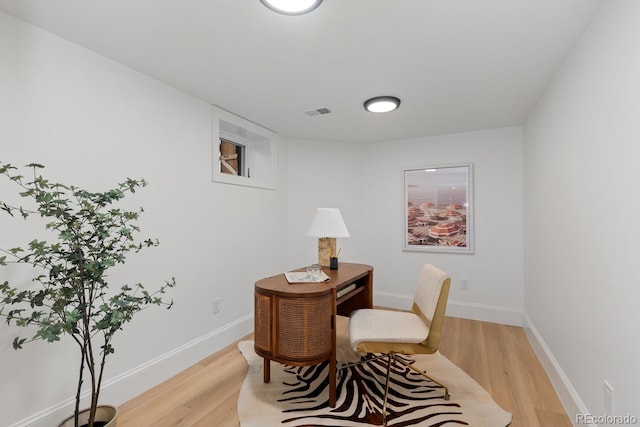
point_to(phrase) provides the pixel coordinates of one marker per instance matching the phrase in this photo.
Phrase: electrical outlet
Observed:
(464, 284)
(215, 305)
(608, 398)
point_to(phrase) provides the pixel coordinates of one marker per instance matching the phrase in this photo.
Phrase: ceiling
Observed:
(457, 65)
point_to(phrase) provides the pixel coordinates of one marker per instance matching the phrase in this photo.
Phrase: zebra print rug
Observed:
(299, 397)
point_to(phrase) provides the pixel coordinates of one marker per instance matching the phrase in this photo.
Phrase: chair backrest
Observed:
(430, 302)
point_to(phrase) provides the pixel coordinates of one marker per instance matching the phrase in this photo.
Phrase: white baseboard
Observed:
(397, 301)
(567, 394)
(486, 313)
(130, 384)
(465, 310)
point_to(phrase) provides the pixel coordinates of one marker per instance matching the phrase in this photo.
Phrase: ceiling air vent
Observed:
(318, 112)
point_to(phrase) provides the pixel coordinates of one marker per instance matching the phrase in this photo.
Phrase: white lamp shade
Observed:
(327, 222)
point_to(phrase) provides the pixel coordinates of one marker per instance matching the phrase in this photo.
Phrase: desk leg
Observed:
(332, 382)
(267, 370)
(332, 359)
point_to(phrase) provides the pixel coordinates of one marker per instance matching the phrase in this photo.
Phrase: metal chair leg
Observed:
(386, 390)
(360, 362)
(424, 374)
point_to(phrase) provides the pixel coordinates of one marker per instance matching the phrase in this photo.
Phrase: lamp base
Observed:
(326, 249)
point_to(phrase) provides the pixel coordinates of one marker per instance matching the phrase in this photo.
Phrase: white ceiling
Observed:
(457, 65)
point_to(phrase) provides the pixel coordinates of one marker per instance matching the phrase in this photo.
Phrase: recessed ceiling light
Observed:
(292, 7)
(381, 104)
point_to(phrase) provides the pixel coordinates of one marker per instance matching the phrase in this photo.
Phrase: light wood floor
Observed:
(498, 357)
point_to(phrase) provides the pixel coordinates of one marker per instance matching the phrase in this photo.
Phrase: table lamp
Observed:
(327, 224)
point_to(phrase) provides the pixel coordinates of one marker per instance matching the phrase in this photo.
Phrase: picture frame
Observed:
(438, 208)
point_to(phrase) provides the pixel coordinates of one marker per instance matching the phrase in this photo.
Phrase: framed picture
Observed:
(438, 207)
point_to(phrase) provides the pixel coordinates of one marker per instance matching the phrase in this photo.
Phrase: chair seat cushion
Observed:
(374, 325)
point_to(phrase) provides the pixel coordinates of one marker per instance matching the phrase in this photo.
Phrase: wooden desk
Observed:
(295, 324)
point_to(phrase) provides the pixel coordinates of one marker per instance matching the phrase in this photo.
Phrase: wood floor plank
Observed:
(498, 357)
(517, 381)
(205, 392)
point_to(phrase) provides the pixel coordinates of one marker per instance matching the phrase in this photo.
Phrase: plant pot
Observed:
(107, 415)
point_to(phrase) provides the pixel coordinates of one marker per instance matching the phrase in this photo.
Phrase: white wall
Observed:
(93, 122)
(495, 269)
(365, 182)
(329, 175)
(582, 145)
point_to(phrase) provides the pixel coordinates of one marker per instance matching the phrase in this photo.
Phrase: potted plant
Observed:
(71, 295)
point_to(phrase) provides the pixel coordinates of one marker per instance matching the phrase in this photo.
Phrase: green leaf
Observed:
(65, 235)
(4, 169)
(17, 343)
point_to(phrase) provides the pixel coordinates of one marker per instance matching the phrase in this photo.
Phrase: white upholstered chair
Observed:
(417, 331)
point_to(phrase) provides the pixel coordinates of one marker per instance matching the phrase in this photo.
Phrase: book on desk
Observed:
(345, 290)
(295, 277)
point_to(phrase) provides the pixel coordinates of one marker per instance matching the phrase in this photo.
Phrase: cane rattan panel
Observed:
(262, 322)
(304, 326)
